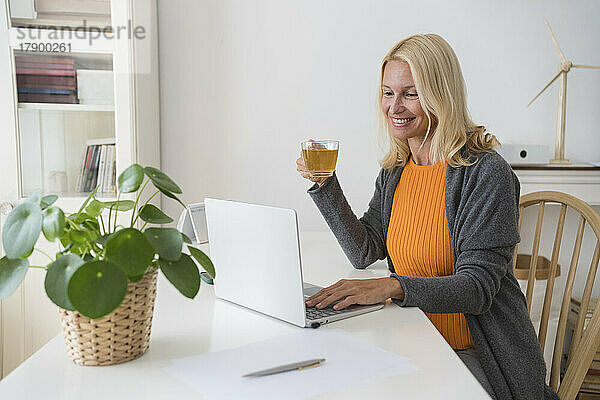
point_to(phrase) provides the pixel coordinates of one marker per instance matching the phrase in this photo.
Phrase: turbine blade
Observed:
(560, 53)
(545, 87)
(585, 66)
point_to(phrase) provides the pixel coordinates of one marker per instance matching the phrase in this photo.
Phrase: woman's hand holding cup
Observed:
(303, 170)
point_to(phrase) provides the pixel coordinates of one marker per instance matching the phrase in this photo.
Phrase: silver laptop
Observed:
(256, 253)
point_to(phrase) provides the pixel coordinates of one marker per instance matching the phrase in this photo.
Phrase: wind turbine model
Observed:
(563, 69)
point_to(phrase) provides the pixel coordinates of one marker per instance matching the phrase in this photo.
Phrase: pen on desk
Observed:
(288, 367)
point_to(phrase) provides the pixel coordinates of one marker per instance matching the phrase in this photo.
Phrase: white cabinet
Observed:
(581, 181)
(47, 130)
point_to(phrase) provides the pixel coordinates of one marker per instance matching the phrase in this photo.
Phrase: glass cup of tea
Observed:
(320, 157)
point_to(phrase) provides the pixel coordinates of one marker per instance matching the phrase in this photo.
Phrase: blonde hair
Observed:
(441, 89)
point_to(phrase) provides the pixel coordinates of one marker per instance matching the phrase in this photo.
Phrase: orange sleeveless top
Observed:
(418, 239)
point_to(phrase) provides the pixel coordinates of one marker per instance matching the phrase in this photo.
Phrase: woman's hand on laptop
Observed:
(356, 291)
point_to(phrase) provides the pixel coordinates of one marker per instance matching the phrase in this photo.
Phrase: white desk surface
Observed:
(184, 327)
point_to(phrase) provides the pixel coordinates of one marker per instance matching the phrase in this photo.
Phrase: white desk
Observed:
(185, 327)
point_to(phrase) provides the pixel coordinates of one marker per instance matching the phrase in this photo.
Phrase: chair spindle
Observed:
(550, 282)
(534, 255)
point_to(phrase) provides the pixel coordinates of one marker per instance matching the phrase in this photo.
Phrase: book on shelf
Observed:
(113, 184)
(89, 168)
(47, 98)
(583, 395)
(84, 168)
(575, 308)
(42, 81)
(38, 59)
(90, 172)
(108, 185)
(44, 71)
(44, 65)
(101, 168)
(93, 168)
(592, 380)
(46, 79)
(110, 171)
(44, 91)
(98, 168)
(94, 172)
(80, 174)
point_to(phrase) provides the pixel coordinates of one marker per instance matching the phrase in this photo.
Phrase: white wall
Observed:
(242, 82)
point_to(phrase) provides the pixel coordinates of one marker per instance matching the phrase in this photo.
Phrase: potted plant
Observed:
(103, 279)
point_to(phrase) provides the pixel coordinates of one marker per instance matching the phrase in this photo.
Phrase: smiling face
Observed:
(400, 102)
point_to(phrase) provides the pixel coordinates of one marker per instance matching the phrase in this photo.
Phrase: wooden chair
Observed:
(585, 342)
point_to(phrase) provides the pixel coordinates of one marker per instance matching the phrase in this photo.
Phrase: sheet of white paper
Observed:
(595, 163)
(349, 361)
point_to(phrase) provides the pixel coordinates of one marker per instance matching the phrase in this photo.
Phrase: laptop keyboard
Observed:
(312, 313)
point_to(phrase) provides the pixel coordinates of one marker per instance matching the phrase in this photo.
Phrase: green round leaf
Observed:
(131, 179)
(53, 224)
(166, 241)
(78, 237)
(171, 195)
(91, 236)
(94, 208)
(79, 249)
(48, 200)
(66, 241)
(22, 229)
(97, 288)
(130, 250)
(186, 238)
(57, 279)
(91, 225)
(35, 197)
(81, 217)
(136, 278)
(161, 180)
(183, 274)
(12, 273)
(154, 215)
(203, 260)
(121, 205)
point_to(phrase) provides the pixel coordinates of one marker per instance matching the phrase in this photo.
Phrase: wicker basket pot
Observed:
(121, 336)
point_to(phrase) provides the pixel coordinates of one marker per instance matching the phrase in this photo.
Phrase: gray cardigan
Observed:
(482, 211)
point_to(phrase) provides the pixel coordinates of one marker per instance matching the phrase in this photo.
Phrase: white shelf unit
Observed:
(67, 107)
(581, 183)
(52, 12)
(27, 318)
(56, 134)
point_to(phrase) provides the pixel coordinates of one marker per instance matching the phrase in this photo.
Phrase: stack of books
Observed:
(46, 79)
(590, 388)
(98, 169)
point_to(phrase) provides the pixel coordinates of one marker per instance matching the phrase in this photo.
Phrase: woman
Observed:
(444, 214)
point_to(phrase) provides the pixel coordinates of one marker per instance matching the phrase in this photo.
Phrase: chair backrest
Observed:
(585, 342)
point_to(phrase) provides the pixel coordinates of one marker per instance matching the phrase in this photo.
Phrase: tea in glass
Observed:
(320, 157)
